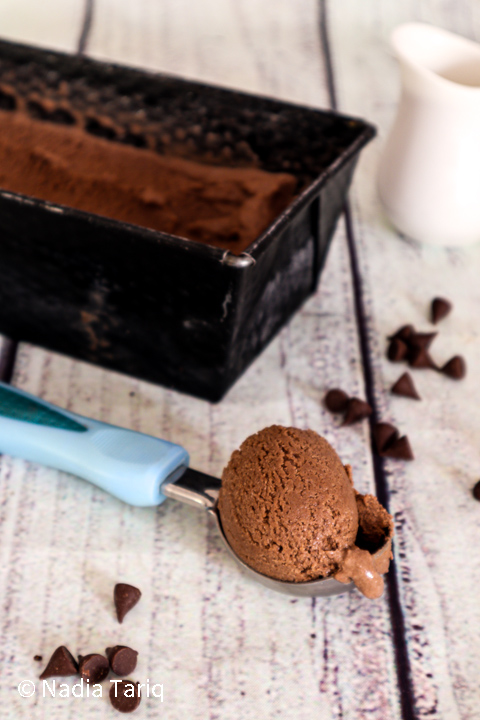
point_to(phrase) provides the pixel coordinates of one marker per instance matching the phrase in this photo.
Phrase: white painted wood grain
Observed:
(275, 52)
(223, 646)
(50, 23)
(271, 50)
(438, 521)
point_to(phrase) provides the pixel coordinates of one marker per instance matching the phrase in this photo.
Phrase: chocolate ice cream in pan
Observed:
(285, 508)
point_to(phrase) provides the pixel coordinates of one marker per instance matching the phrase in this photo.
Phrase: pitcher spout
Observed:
(438, 57)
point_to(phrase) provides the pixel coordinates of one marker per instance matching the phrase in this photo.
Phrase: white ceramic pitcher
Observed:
(429, 177)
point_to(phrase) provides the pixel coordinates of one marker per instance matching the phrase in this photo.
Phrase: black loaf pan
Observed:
(172, 311)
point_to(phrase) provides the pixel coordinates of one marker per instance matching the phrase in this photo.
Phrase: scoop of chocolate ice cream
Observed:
(289, 510)
(287, 505)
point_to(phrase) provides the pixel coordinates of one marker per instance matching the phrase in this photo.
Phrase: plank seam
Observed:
(86, 27)
(404, 674)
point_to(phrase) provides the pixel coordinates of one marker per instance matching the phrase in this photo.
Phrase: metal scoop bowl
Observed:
(201, 491)
(139, 469)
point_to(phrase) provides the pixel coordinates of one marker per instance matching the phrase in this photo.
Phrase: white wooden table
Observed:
(222, 646)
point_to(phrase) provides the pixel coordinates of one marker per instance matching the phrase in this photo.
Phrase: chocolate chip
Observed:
(356, 410)
(384, 435)
(336, 400)
(455, 368)
(419, 358)
(94, 668)
(397, 350)
(38, 658)
(122, 659)
(405, 387)
(476, 491)
(125, 598)
(62, 663)
(440, 309)
(399, 450)
(403, 333)
(125, 695)
(421, 340)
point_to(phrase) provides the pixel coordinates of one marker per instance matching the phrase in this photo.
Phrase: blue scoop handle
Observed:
(130, 465)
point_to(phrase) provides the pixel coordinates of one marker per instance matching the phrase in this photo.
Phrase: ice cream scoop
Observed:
(289, 510)
(143, 470)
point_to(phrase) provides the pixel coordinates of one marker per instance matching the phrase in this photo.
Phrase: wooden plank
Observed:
(250, 651)
(437, 519)
(298, 77)
(231, 43)
(53, 24)
(222, 645)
